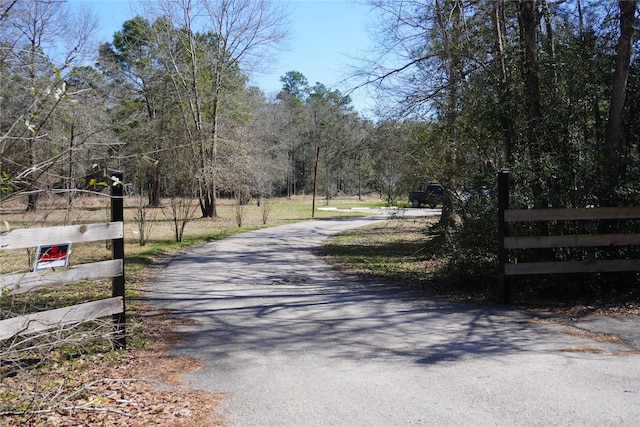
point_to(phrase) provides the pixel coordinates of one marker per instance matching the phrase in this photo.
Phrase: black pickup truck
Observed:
(431, 196)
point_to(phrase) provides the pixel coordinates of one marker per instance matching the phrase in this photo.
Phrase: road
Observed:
(293, 342)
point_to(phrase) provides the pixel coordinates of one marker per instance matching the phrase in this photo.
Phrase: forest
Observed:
(547, 89)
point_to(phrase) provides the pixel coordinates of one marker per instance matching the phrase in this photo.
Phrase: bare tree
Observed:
(220, 40)
(272, 134)
(181, 210)
(40, 43)
(144, 217)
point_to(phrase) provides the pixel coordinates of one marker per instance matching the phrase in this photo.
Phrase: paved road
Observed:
(295, 343)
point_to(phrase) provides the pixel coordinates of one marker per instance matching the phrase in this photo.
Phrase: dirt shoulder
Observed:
(137, 387)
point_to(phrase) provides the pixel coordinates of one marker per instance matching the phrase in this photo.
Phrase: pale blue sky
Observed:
(325, 37)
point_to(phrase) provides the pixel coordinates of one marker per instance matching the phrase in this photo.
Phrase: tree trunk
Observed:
(153, 182)
(208, 202)
(551, 49)
(529, 28)
(69, 182)
(613, 132)
(506, 121)
(32, 202)
(452, 49)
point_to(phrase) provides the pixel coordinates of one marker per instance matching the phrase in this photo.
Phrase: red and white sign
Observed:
(52, 256)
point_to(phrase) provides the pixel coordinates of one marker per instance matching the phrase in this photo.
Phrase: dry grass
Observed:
(93, 209)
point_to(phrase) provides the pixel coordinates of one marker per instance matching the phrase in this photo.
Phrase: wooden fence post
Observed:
(117, 248)
(503, 204)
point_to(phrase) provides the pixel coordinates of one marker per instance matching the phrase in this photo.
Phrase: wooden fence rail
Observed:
(28, 282)
(506, 242)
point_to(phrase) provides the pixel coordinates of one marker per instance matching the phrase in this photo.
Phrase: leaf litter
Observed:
(133, 388)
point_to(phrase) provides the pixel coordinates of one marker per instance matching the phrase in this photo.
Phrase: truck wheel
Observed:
(415, 203)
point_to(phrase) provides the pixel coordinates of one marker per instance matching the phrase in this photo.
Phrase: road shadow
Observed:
(295, 342)
(264, 297)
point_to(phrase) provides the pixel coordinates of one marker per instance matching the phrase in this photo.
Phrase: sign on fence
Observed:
(50, 257)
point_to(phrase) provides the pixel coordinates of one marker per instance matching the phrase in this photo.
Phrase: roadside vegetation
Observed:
(394, 251)
(408, 253)
(419, 254)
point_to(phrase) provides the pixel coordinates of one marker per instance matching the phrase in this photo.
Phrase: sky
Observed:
(325, 37)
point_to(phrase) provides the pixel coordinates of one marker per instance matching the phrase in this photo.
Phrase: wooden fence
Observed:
(114, 268)
(506, 242)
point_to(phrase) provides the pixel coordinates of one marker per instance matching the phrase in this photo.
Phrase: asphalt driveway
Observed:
(293, 342)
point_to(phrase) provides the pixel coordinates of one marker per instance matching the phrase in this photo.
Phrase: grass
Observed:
(391, 251)
(401, 252)
(162, 236)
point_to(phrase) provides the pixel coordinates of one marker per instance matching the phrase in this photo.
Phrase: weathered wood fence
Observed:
(506, 242)
(114, 268)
